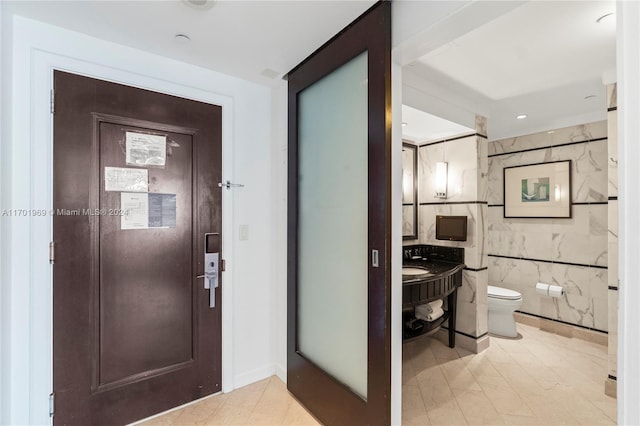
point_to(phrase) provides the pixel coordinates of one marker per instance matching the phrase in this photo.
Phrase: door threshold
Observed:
(179, 407)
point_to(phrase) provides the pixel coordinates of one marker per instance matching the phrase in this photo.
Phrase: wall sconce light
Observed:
(441, 179)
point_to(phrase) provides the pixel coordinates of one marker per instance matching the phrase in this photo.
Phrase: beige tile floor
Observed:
(541, 379)
(263, 403)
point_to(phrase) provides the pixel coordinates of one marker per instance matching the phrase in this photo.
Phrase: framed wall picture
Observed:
(540, 190)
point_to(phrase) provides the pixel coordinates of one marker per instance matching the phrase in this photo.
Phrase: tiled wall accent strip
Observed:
(548, 261)
(408, 204)
(612, 109)
(467, 335)
(435, 203)
(564, 322)
(476, 269)
(586, 203)
(613, 288)
(613, 377)
(547, 147)
(613, 198)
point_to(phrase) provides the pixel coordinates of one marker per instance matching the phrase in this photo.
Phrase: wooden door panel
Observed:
(133, 333)
(145, 274)
(326, 397)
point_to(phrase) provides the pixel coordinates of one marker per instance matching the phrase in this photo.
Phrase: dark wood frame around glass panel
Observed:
(413, 234)
(329, 400)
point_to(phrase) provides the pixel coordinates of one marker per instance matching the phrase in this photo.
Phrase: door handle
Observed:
(211, 268)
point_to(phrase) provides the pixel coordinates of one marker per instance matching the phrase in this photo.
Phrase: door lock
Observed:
(211, 268)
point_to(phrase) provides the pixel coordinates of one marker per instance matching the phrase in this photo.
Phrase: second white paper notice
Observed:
(136, 207)
(126, 179)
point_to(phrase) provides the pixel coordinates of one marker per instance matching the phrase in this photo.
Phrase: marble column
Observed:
(467, 160)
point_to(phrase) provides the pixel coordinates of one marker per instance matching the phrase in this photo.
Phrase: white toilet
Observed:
(502, 303)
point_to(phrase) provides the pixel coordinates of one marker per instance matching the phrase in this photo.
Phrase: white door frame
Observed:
(31, 296)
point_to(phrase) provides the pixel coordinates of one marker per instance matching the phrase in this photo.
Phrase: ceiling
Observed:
(545, 59)
(537, 46)
(421, 127)
(540, 58)
(239, 38)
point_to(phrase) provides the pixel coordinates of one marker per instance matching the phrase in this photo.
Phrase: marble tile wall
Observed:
(552, 239)
(564, 135)
(589, 169)
(475, 254)
(467, 189)
(460, 154)
(472, 302)
(523, 252)
(612, 235)
(585, 302)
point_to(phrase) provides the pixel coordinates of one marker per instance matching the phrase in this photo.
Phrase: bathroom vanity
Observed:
(430, 273)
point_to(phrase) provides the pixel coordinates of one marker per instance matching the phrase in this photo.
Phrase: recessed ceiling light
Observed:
(269, 73)
(604, 17)
(404, 123)
(182, 38)
(199, 4)
(521, 116)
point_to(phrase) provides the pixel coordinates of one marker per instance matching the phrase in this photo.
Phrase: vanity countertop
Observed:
(433, 270)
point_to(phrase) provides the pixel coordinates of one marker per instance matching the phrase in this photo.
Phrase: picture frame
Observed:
(541, 190)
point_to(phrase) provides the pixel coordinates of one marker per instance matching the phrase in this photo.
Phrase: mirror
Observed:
(409, 191)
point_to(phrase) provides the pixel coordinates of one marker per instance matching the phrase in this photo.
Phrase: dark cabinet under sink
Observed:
(440, 280)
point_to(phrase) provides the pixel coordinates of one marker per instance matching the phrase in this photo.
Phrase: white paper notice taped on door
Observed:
(136, 208)
(145, 150)
(126, 179)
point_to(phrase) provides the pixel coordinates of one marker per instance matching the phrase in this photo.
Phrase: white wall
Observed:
(628, 46)
(396, 243)
(26, 183)
(279, 159)
(2, 129)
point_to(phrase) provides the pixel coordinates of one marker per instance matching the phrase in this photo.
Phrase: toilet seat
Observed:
(503, 293)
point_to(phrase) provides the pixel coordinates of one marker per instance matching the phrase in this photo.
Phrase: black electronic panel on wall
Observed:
(451, 228)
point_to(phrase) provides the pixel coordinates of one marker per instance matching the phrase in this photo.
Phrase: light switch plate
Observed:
(244, 232)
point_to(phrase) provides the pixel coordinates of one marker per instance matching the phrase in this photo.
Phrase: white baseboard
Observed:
(253, 376)
(281, 372)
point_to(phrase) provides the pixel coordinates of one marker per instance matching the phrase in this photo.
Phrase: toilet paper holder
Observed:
(550, 290)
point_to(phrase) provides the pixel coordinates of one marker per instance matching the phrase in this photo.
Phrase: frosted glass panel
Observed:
(332, 224)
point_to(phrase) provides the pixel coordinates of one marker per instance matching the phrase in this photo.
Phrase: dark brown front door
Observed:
(135, 192)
